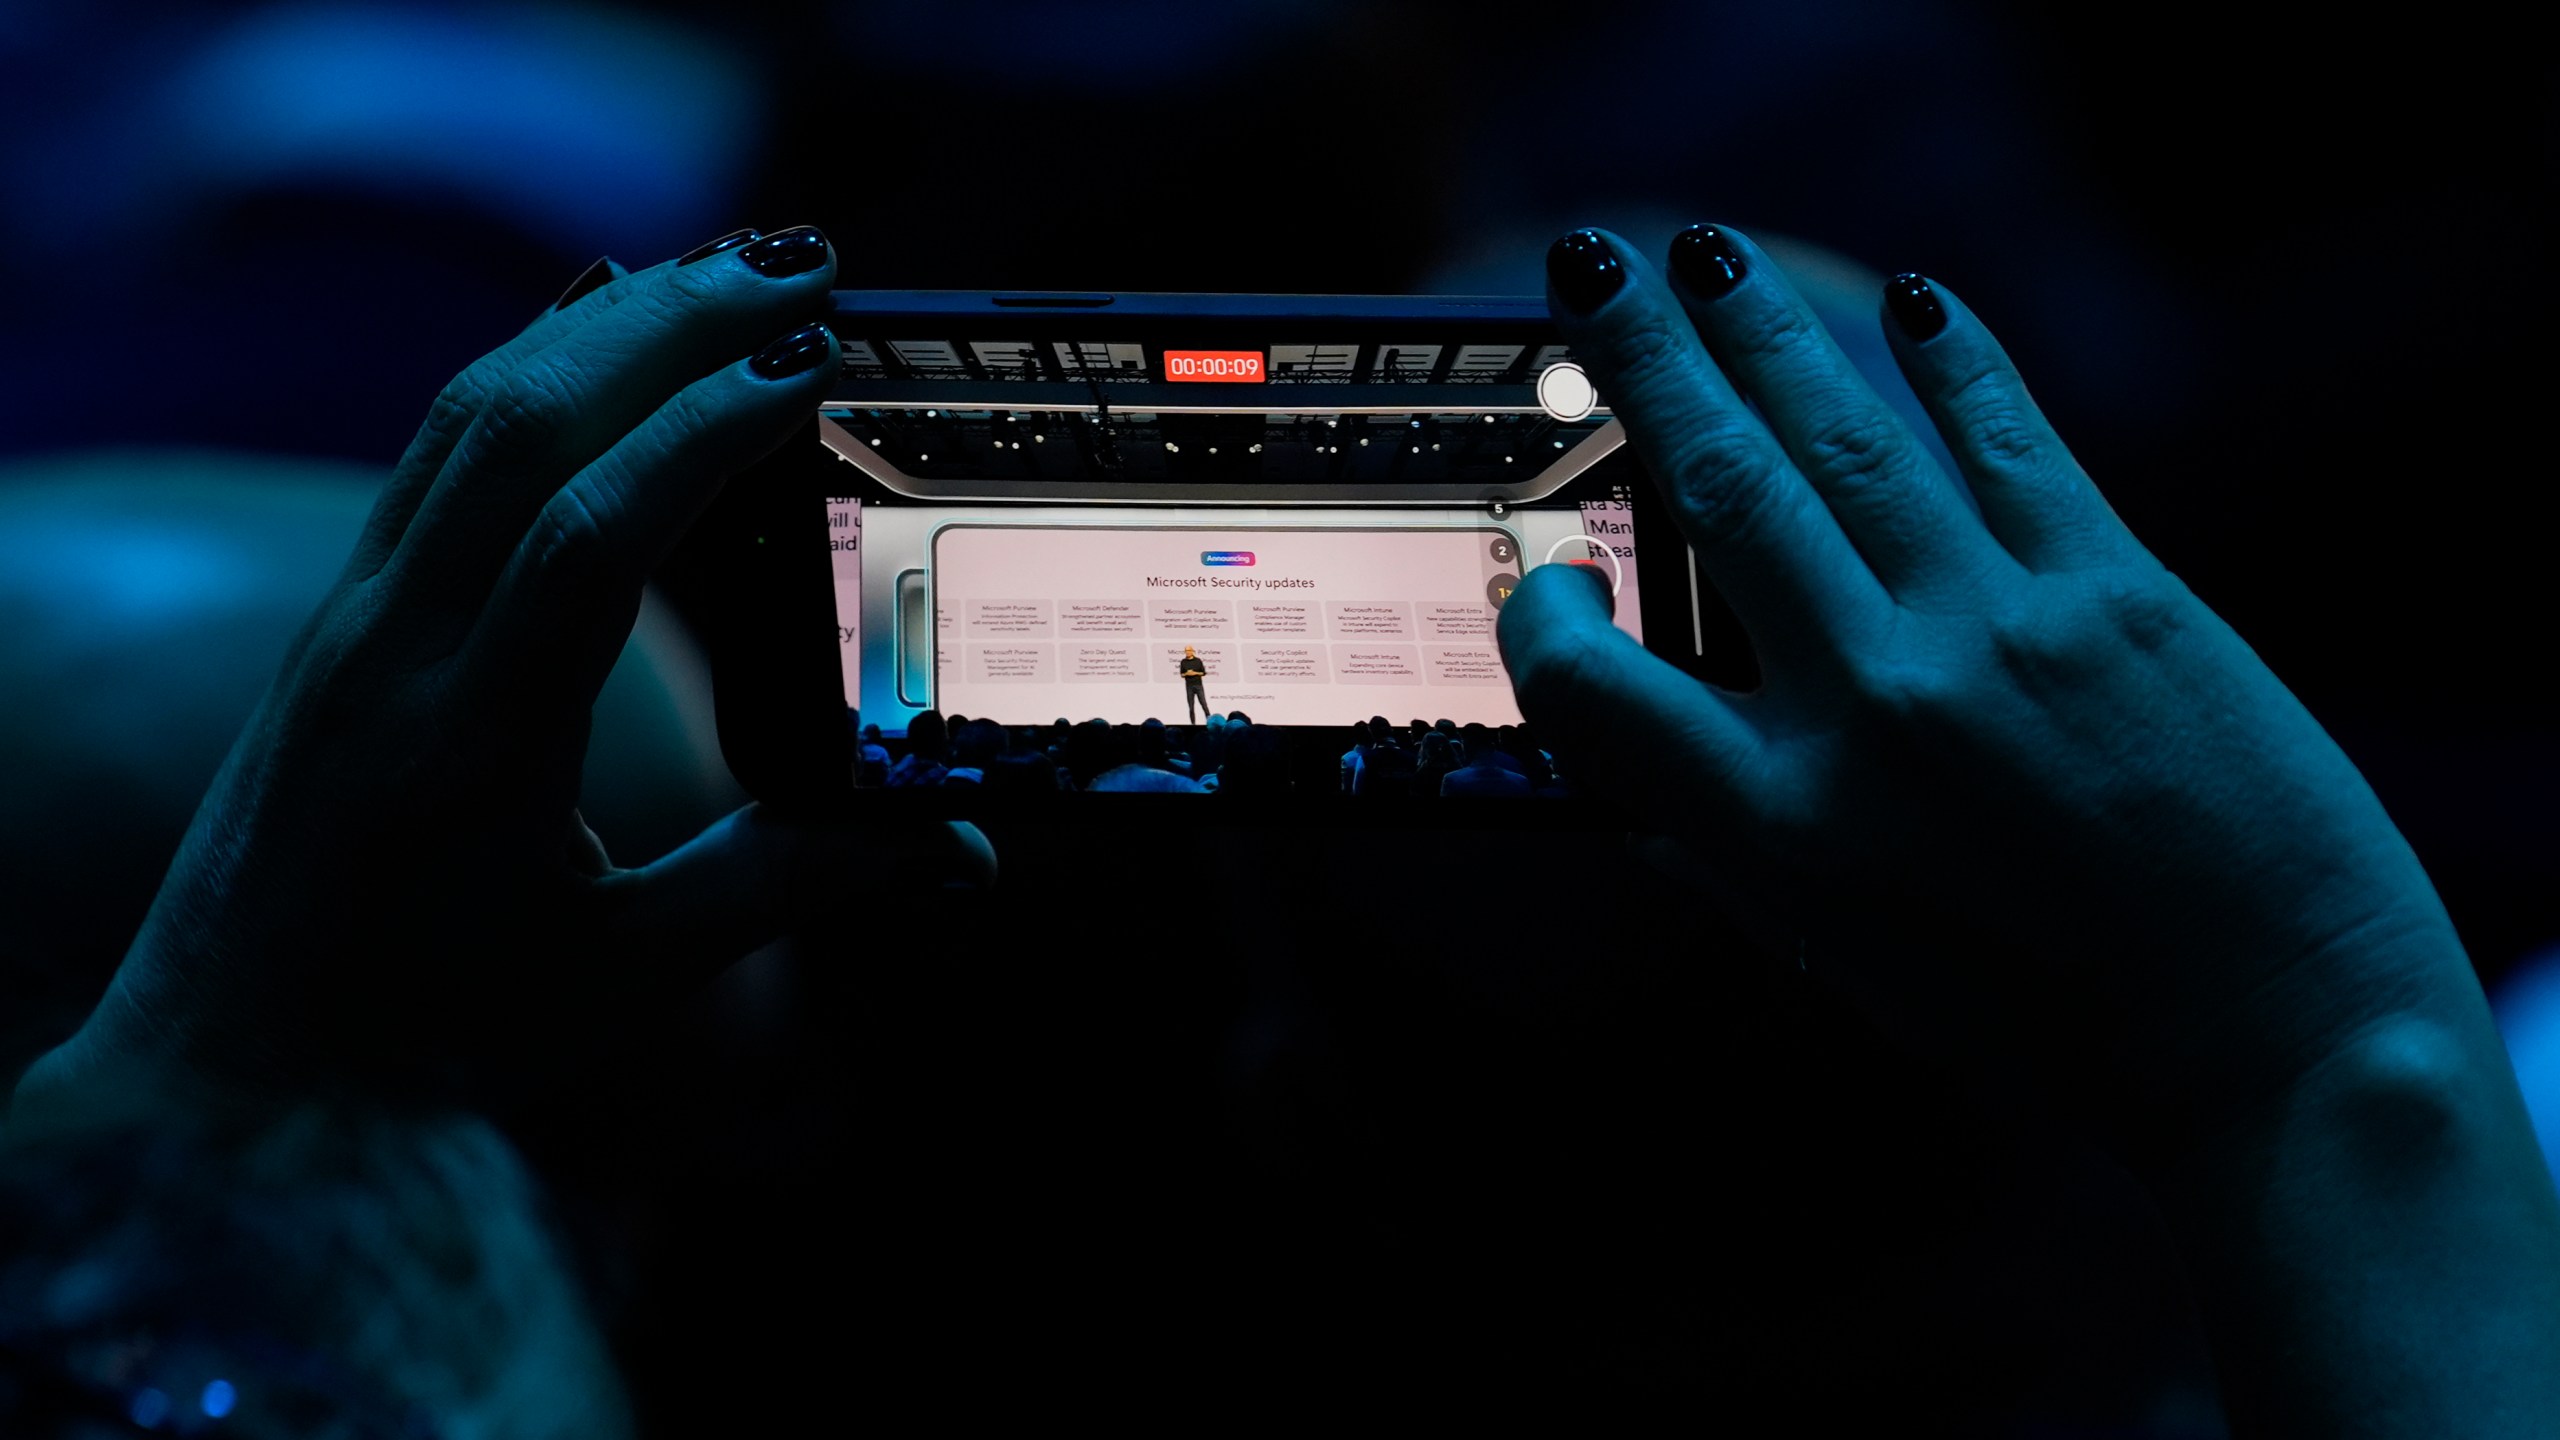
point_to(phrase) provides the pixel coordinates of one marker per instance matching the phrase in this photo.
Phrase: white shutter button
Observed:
(1566, 393)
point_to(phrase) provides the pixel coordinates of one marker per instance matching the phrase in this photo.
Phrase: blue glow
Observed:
(591, 128)
(1134, 42)
(130, 575)
(149, 1408)
(217, 1399)
(2527, 1004)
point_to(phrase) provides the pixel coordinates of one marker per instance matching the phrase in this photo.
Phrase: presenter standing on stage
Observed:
(1195, 701)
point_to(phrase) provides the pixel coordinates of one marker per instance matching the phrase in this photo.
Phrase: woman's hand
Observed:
(391, 867)
(1987, 710)
(1989, 714)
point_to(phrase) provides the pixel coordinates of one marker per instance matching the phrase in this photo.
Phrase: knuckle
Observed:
(692, 285)
(2149, 613)
(526, 416)
(2006, 441)
(1727, 487)
(1992, 420)
(463, 396)
(2064, 634)
(1908, 674)
(1852, 451)
(1768, 333)
(1914, 690)
(614, 292)
(1719, 466)
(1650, 362)
(2037, 645)
(567, 546)
(679, 299)
(686, 422)
(456, 403)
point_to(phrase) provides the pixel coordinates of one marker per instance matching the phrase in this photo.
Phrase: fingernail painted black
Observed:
(1915, 306)
(589, 281)
(1707, 261)
(1584, 270)
(730, 241)
(802, 350)
(795, 251)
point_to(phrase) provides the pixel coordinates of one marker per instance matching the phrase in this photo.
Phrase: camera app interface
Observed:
(1296, 535)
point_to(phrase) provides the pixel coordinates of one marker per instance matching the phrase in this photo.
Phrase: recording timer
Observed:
(1228, 366)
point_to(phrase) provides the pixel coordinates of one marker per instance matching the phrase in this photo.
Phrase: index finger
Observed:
(1775, 550)
(461, 401)
(580, 396)
(564, 603)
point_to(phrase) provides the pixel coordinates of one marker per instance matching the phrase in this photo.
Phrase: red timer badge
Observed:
(1229, 366)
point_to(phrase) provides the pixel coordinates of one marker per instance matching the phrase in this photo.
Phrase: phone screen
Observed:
(1303, 534)
(1317, 617)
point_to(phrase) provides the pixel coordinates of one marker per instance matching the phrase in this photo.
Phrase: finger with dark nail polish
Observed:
(730, 241)
(795, 251)
(1914, 305)
(589, 280)
(802, 350)
(1707, 261)
(1584, 271)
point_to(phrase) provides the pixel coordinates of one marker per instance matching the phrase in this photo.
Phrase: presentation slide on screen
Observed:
(1316, 626)
(1300, 617)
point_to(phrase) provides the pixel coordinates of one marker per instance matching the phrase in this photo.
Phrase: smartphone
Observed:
(1302, 514)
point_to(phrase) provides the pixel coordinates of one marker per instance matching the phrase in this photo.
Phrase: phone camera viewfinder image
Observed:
(1192, 523)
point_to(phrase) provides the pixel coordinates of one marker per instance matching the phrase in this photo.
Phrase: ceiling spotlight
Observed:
(929, 414)
(1417, 449)
(1213, 449)
(1039, 439)
(1488, 419)
(1176, 449)
(1364, 439)
(1253, 449)
(924, 457)
(1506, 459)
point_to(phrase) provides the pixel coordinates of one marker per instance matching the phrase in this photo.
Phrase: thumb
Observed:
(1624, 722)
(755, 876)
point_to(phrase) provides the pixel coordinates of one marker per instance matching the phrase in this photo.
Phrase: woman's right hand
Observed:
(1986, 707)
(1989, 714)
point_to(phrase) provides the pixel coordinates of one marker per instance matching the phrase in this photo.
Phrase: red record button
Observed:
(1226, 366)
